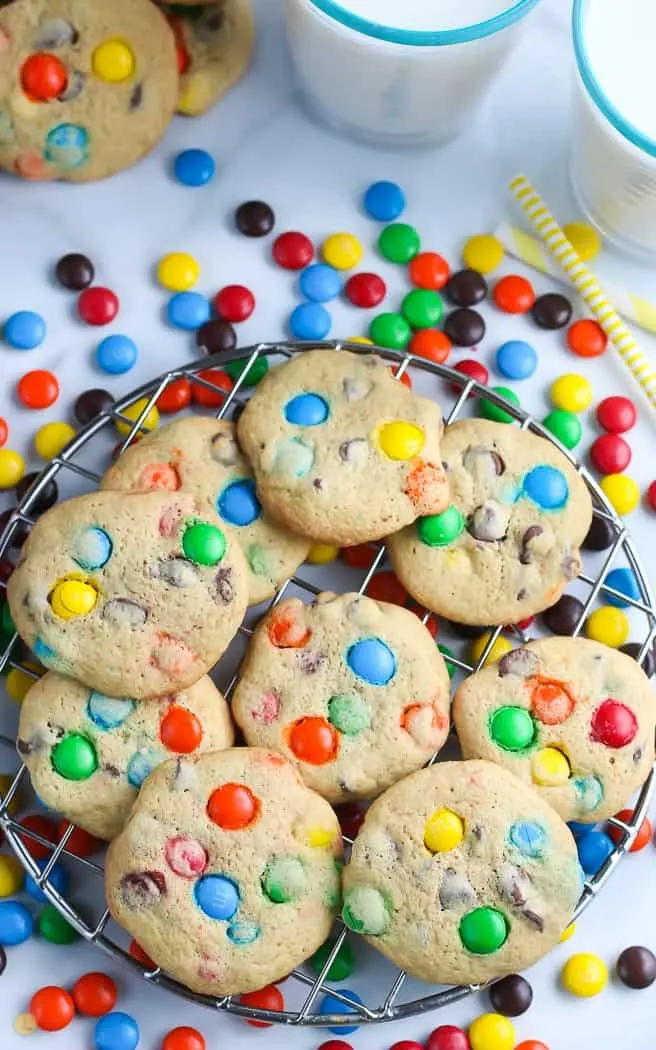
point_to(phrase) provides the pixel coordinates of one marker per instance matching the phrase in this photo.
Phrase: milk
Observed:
(614, 132)
(400, 72)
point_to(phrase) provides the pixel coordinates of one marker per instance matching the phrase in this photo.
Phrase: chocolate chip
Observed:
(318, 484)
(483, 462)
(520, 662)
(601, 535)
(75, 272)
(514, 884)
(532, 533)
(224, 588)
(254, 218)
(552, 311)
(224, 449)
(112, 771)
(637, 755)
(53, 33)
(535, 919)
(47, 497)
(75, 86)
(91, 404)
(464, 327)
(466, 288)
(511, 996)
(489, 522)
(563, 617)
(455, 890)
(636, 967)
(176, 571)
(143, 889)
(354, 452)
(25, 747)
(137, 96)
(216, 337)
(310, 662)
(632, 649)
(121, 611)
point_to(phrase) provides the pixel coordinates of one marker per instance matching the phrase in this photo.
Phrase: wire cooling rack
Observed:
(77, 469)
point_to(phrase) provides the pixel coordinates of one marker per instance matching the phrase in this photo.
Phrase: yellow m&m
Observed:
(620, 490)
(483, 253)
(567, 934)
(113, 61)
(571, 392)
(11, 876)
(584, 239)
(499, 649)
(443, 831)
(72, 598)
(50, 439)
(401, 441)
(319, 838)
(178, 271)
(608, 625)
(322, 554)
(133, 412)
(12, 468)
(584, 975)
(342, 250)
(550, 767)
(492, 1032)
(18, 684)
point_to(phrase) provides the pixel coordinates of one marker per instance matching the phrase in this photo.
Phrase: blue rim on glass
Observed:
(625, 128)
(426, 38)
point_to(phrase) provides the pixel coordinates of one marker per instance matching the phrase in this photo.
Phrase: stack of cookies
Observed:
(226, 863)
(87, 87)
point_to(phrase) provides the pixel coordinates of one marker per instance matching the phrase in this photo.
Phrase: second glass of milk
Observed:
(400, 72)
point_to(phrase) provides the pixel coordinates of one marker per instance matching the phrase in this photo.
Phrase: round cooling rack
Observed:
(79, 468)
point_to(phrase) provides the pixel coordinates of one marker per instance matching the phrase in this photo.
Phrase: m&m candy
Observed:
(94, 994)
(565, 426)
(116, 1031)
(293, 250)
(586, 338)
(234, 303)
(636, 967)
(610, 454)
(51, 438)
(12, 468)
(516, 359)
(16, 923)
(12, 876)
(431, 344)
(399, 242)
(365, 290)
(320, 283)
(429, 270)
(116, 354)
(651, 496)
(584, 975)
(616, 414)
(483, 252)
(269, 998)
(310, 321)
(448, 1037)
(594, 849)
(624, 581)
(43, 76)
(384, 201)
(38, 389)
(178, 271)
(255, 218)
(492, 1032)
(176, 396)
(24, 330)
(188, 310)
(52, 1008)
(97, 306)
(608, 625)
(473, 370)
(584, 239)
(571, 392)
(391, 331)
(514, 294)
(343, 251)
(491, 411)
(422, 308)
(331, 1005)
(643, 837)
(74, 271)
(184, 1038)
(194, 167)
(621, 492)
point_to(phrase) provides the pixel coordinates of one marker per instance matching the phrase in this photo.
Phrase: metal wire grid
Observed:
(390, 1007)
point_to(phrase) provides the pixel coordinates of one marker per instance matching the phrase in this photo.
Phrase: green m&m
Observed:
(422, 308)
(564, 425)
(391, 331)
(491, 411)
(483, 931)
(512, 728)
(284, 880)
(53, 927)
(256, 372)
(342, 965)
(438, 530)
(448, 658)
(203, 544)
(349, 714)
(399, 242)
(74, 757)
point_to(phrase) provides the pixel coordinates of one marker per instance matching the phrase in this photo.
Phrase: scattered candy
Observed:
(38, 389)
(175, 397)
(255, 218)
(75, 271)
(616, 414)
(58, 878)
(642, 839)
(601, 535)
(16, 923)
(184, 1038)
(473, 370)
(492, 1032)
(91, 404)
(552, 311)
(651, 496)
(565, 426)
(80, 843)
(252, 373)
(484, 253)
(52, 1008)
(12, 468)
(320, 283)
(569, 932)
(12, 876)
(594, 849)
(429, 270)
(216, 336)
(514, 294)
(331, 1005)
(342, 250)
(269, 998)
(116, 1031)
(466, 288)
(516, 359)
(234, 303)
(571, 392)
(41, 826)
(488, 410)
(293, 251)
(116, 354)
(422, 308)
(322, 554)
(310, 321)
(511, 996)
(133, 412)
(636, 967)
(587, 338)
(584, 975)
(621, 492)
(188, 310)
(399, 243)
(52, 438)
(608, 625)
(432, 345)
(531, 1044)
(384, 201)
(610, 454)
(194, 167)
(464, 327)
(24, 330)
(499, 649)
(563, 617)
(97, 306)
(365, 290)
(202, 395)
(94, 994)
(391, 331)
(4, 431)
(448, 1037)
(584, 239)
(624, 581)
(342, 965)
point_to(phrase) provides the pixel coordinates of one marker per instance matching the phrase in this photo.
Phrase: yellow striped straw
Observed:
(585, 283)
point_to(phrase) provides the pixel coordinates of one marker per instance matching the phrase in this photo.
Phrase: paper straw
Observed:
(585, 283)
(531, 251)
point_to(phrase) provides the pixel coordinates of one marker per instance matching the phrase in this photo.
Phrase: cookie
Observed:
(227, 872)
(200, 455)
(133, 594)
(353, 692)
(509, 541)
(461, 874)
(88, 754)
(342, 452)
(87, 87)
(570, 716)
(215, 44)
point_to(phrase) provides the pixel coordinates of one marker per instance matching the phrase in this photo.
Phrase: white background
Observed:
(265, 147)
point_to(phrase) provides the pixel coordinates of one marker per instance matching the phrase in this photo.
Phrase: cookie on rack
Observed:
(133, 594)
(461, 874)
(227, 871)
(215, 44)
(200, 455)
(88, 754)
(573, 718)
(353, 691)
(87, 87)
(509, 542)
(342, 452)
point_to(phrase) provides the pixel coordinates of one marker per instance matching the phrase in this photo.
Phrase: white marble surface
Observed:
(266, 148)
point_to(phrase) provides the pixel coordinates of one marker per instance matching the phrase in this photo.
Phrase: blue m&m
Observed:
(217, 897)
(528, 838)
(594, 850)
(310, 321)
(92, 548)
(109, 712)
(58, 878)
(194, 167)
(546, 487)
(16, 923)
(320, 283)
(116, 1031)
(384, 201)
(624, 581)
(516, 359)
(244, 932)
(141, 765)
(306, 410)
(331, 1005)
(25, 330)
(372, 660)
(116, 354)
(188, 310)
(238, 504)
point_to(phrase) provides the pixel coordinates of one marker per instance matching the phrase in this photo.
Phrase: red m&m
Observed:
(613, 724)
(94, 994)
(448, 1037)
(365, 290)
(293, 250)
(473, 370)
(97, 306)
(431, 344)
(616, 414)
(233, 807)
(180, 730)
(269, 998)
(184, 1038)
(202, 395)
(175, 397)
(234, 303)
(429, 270)
(43, 77)
(610, 454)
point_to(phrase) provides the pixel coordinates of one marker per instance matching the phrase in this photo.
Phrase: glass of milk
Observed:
(400, 72)
(614, 134)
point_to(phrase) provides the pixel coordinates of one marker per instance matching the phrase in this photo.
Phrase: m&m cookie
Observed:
(134, 594)
(88, 754)
(353, 691)
(461, 874)
(227, 872)
(509, 541)
(201, 456)
(570, 716)
(214, 43)
(342, 452)
(86, 87)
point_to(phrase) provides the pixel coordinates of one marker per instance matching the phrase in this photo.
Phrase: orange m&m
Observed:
(180, 731)
(430, 344)
(37, 389)
(314, 740)
(161, 477)
(184, 1038)
(52, 1008)
(175, 397)
(429, 270)
(286, 631)
(514, 294)
(94, 994)
(385, 587)
(43, 77)
(137, 952)
(233, 807)
(551, 701)
(642, 838)
(587, 338)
